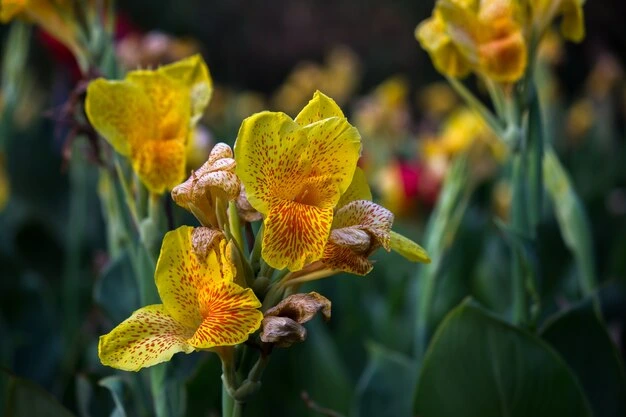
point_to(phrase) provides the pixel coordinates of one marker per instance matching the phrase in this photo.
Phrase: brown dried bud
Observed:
(216, 179)
(245, 209)
(301, 307)
(282, 331)
(205, 240)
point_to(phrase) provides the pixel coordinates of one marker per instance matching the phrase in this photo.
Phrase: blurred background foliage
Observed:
(59, 291)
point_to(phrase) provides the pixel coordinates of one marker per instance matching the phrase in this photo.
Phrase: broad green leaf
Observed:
(22, 398)
(385, 386)
(116, 290)
(593, 358)
(480, 366)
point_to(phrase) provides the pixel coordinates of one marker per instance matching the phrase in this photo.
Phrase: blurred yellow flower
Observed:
(338, 77)
(472, 35)
(202, 307)
(150, 115)
(57, 17)
(294, 172)
(570, 12)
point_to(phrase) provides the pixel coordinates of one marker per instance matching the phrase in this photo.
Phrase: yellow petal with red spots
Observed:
(170, 102)
(268, 152)
(319, 108)
(121, 113)
(194, 73)
(160, 164)
(408, 249)
(294, 175)
(180, 275)
(295, 234)
(230, 315)
(359, 189)
(148, 337)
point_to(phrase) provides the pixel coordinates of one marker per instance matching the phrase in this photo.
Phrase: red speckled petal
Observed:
(295, 234)
(180, 275)
(230, 315)
(320, 107)
(148, 337)
(346, 259)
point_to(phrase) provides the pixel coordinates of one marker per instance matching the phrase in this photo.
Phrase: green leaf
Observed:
(22, 398)
(593, 358)
(117, 386)
(384, 387)
(480, 366)
(573, 222)
(116, 290)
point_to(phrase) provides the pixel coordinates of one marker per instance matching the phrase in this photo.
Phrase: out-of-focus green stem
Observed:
(255, 256)
(471, 100)
(520, 223)
(440, 233)
(235, 224)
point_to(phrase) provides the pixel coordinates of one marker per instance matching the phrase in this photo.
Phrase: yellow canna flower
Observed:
(150, 115)
(202, 307)
(472, 35)
(57, 17)
(294, 172)
(214, 180)
(570, 12)
(359, 228)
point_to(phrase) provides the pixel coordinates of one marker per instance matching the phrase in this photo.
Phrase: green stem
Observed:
(235, 224)
(471, 100)
(519, 222)
(255, 256)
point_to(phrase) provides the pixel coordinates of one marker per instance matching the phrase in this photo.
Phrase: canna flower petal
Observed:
(320, 107)
(11, 8)
(484, 37)
(573, 23)
(294, 175)
(194, 74)
(230, 315)
(408, 249)
(150, 116)
(117, 110)
(295, 234)
(182, 271)
(148, 337)
(432, 36)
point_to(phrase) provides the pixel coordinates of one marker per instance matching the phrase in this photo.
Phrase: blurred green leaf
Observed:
(116, 290)
(117, 386)
(22, 398)
(594, 359)
(385, 386)
(573, 222)
(479, 365)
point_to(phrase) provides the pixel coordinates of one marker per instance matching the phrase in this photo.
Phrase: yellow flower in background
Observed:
(570, 12)
(473, 35)
(462, 130)
(294, 173)
(57, 17)
(150, 116)
(202, 307)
